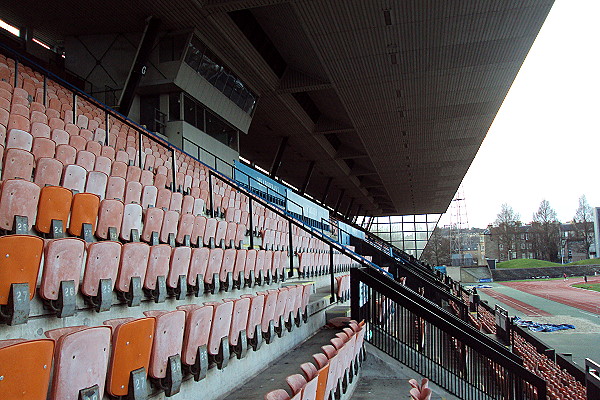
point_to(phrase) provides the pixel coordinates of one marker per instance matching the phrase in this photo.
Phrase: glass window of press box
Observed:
(406, 232)
(202, 60)
(198, 115)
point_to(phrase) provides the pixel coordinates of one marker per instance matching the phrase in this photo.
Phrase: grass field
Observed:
(530, 263)
(589, 286)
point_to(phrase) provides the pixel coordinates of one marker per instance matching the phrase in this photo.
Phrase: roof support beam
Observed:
(311, 168)
(339, 201)
(139, 66)
(326, 193)
(277, 160)
(347, 215)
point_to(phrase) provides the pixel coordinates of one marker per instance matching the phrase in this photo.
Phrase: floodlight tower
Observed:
(459, 225)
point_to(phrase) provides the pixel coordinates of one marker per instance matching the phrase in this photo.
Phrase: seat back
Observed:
(18, 198)
(168, 340)
(102, 263)
(131, 348)
(63, 261)
(158, 264)
(110, 215)
(48, 171)
(25, 368)
(269, 310)
(132, 219)
(180, 264)
(198, 264)
(220, 326)
(198, 321)
(79, 349)
(239, 319)
(133, 262)
(18, 266)
(84, 210)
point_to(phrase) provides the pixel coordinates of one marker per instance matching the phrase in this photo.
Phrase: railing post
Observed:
(332, 280)
(140, 149)
(45, 90)
(291, 248)
(249, 216)
(354, 295)
(74, 108)
(106, 127)
(210, 195)
(173, 171)
(16, 73)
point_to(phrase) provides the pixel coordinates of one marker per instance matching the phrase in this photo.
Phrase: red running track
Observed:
(518, 305)
(562, 292)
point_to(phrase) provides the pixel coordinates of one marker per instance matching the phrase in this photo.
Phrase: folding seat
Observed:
(55, 123)
(178, 270)
(132, 272)
(18, 276)
(78, 142)
(147, 178)
(221, 233)
(187, 206)
(63, 262)
(96, 183)
(176, 202)
(17, 163)
(74, 178)
(53, 210)
(211, 277)
(259, 270)
(149, 194)
(82, 121)
(115, 188)
(132, 154)
(61, 137)
(87, 135)
(231, 238)
(41, 130)
(153, 221)
(168, 230)
(99, 135)
(197, 270)
(227, 266)
(18, 205)
(155, 281)
(165, 360)
(43, 147)
(149, 162)
(103, 164)
(100, 275)
(279, 315)
(238, 342)
(296, 383)
(84, 212)
(184, 229)
(131, 226)
(195, 341)
(25, 368)
(20, 107)
(218, 343)
(131, 348)
(19, 122)
(309, 370)
(163, 199)
(268, 317)
(160, 181)
(94, 148)
(133, 192)
(38, 117)
(119, 169)
(108, 152)
(133, 173)
(93, 125)
(110, 219)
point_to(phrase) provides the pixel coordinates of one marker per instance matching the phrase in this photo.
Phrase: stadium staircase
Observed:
(143, 264)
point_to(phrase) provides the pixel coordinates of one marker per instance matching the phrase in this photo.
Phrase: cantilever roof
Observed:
(400, 93)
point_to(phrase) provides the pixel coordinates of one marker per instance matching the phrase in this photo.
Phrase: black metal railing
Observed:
(592, 379)
(436, 344)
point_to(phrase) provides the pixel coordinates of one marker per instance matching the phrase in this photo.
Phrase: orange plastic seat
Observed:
(84, 212)
(25, 368)
(130, 356)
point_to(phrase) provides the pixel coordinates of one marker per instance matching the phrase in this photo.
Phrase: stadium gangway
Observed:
(437, 344)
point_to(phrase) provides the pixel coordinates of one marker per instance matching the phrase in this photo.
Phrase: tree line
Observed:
(543, 238)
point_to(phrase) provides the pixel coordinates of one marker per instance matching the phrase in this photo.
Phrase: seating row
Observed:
(335, 368)
(134, 271)
(166, 346)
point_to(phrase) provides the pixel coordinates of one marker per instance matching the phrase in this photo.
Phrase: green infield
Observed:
(526, 263)
(589, 286)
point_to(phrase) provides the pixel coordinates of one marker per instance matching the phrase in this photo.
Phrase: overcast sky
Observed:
(545, 141)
